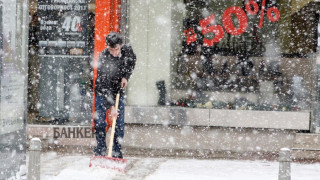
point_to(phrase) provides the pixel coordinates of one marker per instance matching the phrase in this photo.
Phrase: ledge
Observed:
(217, 117)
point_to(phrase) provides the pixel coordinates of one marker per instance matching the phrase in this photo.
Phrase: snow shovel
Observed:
(109, 161)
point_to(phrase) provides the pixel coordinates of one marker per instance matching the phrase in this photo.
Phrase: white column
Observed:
(150, 33)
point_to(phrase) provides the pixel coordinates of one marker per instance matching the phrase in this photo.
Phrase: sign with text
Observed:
(224, 30)
(73, 132)
(63, 27)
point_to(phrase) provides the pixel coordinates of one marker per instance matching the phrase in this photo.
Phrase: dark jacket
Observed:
(111, 70)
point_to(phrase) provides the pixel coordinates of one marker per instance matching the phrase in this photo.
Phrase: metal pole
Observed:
(284, 164)
(34, 159)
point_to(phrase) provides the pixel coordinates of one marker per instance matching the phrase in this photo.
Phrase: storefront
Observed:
(209, 68)
(248, 62)
(220, 59)
(59, 61)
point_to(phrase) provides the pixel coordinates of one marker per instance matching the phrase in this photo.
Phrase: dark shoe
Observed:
(117, 155)
(99, 152)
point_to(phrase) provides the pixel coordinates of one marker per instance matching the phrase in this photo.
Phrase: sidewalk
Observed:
(60, 166)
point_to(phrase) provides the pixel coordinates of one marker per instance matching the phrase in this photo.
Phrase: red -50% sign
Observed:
(207, 24)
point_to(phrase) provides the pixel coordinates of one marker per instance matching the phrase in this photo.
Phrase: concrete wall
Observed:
(210, 138)
(217, 118)
(192, 129)
(180, 138)
(194, 132)
(190, 141)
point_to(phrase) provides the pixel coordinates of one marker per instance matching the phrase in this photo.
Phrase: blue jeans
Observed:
(100, 125)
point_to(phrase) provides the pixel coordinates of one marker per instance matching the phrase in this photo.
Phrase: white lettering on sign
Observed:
(56, 7)
(73, 23)
(69, 1)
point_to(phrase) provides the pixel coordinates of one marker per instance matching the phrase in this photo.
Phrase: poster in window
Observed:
(63, 27)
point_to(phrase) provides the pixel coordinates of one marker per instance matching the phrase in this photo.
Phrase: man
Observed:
(115, 66)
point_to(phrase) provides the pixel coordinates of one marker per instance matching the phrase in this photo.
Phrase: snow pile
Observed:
(57, 167)
(77, 168)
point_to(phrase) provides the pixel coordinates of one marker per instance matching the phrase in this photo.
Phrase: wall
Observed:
(150, 34)
(189, 141)
(13, 71)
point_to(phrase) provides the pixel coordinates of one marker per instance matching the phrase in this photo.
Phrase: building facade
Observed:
(231, 56)
(14, 72)
(217, 63)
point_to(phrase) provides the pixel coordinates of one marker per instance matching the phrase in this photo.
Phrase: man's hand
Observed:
(124, 83)
(113, 113)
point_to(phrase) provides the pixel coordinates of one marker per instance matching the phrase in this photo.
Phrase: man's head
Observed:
(113, 39)
(114, 43)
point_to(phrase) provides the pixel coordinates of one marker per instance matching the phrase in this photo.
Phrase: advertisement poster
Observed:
(232, 27)
(63, 27)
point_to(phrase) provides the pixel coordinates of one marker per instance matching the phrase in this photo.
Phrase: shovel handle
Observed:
(114, 121)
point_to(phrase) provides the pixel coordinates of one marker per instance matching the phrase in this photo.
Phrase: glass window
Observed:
(60, 51)
(252, 55)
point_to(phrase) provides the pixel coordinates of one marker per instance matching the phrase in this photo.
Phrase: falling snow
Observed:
(214, 81)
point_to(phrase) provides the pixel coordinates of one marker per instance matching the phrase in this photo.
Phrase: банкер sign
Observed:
(73, 132)
(63, 27)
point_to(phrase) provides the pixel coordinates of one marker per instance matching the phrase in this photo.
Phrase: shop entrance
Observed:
(60, 49)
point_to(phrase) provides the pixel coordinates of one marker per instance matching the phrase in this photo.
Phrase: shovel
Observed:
(109, 161)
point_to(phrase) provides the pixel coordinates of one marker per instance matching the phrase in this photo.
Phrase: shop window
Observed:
(61, 43)
(253, 55)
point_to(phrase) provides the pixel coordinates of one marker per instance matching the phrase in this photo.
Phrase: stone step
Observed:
(306, 141)
(305, 154)
(306, 146)
(308, 137)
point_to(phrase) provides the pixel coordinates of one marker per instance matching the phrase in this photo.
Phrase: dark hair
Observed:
(113, 39)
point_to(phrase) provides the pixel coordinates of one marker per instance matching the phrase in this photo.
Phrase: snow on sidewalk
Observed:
(72, 166)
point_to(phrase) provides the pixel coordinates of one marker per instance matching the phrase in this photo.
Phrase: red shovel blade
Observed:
(108, 162)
